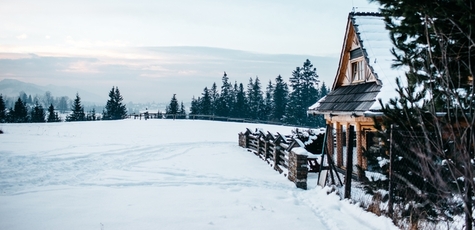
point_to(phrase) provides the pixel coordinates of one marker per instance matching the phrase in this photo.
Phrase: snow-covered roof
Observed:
(377, 45)
(374, 40)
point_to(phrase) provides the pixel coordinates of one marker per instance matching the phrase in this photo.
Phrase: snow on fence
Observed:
(283, 153)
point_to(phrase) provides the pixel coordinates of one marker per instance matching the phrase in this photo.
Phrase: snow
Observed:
(155, 174)
(377, 44)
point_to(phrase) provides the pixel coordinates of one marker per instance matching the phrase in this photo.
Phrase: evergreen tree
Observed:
(214, 94)
(172, 108)
(19, 113)
(206, 102)
(268, 106)
(319, 120)
(223, 103)
(241, 105)
(304, 93)
(24, 98)
(3, 115)
(182, 110)
(38, 113)
(77, 111)
(115, 109)
(255, 98)
(195, 106)
(280, 97)
(52, 115)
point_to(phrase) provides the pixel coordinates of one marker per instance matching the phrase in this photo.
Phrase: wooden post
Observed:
(349, 161)
(339, 144)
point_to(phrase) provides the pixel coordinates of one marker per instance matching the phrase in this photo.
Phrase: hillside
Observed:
(12, 88)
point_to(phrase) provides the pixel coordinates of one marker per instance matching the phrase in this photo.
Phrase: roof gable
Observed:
(366, 41)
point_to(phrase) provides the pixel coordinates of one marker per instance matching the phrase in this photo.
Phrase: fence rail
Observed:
(278, 151)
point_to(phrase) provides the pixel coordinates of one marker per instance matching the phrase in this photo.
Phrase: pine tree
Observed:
(115, 109)
(52, 115)
(77, 111)
(20, 112)
(280, 97)
(206, 102)
(255, 98)
(182, 110)
(172, 108)
(319, 120)
(304, 93)
(195, 106)
(214, 94)
(268, 106)
(3, 115)
(37, 113)
(224, 101)
(241, 105)
(24, 98)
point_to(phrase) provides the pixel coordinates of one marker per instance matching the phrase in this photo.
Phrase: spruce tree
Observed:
(280, 97)
(268, 106)
(37, 113)
(115, 109)
(182, 110)
(214, 94)
(241, 105)
(255, 98)
(206, 102)
(3, 114)
(20, 112)
(224, 101)
(52, 115)
(195, 106)
(304, 93)
(172, 108)
(77, 111)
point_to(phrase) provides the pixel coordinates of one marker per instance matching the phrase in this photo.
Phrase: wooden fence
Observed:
(282, 153)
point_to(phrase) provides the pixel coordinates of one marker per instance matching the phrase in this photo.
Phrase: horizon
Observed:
(159, 48)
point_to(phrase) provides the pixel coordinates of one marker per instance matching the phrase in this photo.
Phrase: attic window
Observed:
(357, 70)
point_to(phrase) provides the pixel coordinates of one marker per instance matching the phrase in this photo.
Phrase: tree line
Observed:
(279, 102)
(24, 112)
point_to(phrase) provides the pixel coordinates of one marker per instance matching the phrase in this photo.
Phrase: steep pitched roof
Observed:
(376, 45)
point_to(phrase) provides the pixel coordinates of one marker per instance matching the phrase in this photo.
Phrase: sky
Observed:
(154, 49)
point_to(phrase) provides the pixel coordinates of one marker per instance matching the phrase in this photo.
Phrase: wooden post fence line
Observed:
(282, 153)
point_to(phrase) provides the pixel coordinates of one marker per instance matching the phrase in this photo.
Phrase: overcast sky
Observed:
(152, 49)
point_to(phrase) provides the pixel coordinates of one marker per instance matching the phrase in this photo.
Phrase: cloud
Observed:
(81, 67)
(22, 37)
(155, 73)
(47, 37)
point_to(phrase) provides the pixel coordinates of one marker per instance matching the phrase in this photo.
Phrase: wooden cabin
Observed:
(364, 76)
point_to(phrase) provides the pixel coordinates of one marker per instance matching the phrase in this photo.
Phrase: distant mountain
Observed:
(12, 88)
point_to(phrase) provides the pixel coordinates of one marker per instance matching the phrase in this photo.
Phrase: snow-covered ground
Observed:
(155, 174)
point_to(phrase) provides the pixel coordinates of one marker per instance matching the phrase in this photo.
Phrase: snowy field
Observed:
(155, 174)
